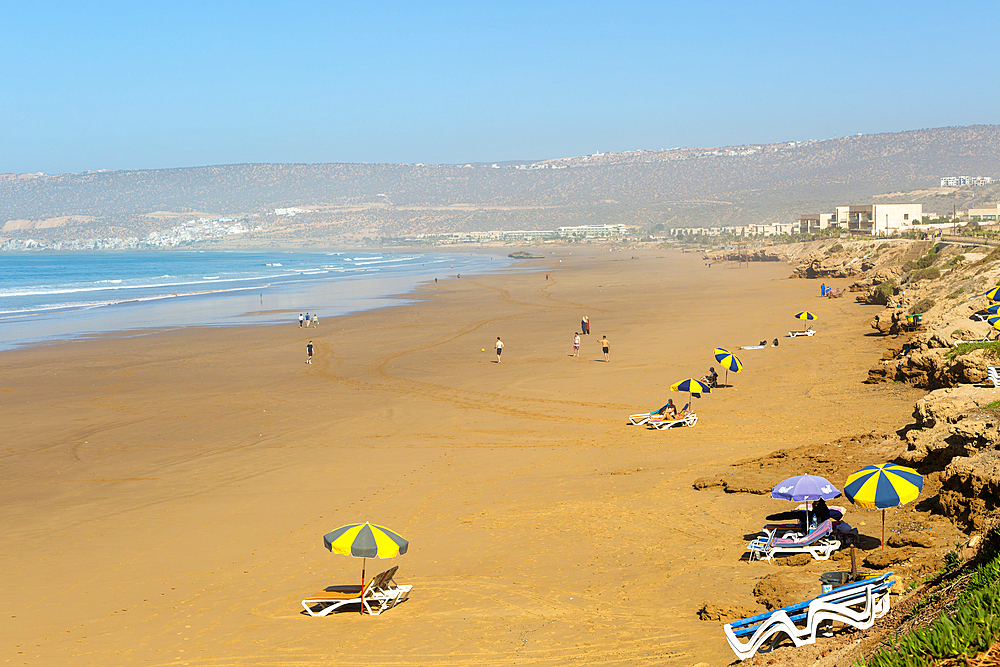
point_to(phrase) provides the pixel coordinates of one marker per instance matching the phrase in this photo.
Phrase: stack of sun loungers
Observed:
(807, 332)
(820, 542)
(858, 604)
(379, 594)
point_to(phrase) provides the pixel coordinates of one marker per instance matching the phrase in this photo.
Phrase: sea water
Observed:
(48, 296)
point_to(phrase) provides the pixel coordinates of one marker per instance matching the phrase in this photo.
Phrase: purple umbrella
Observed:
(805, 488)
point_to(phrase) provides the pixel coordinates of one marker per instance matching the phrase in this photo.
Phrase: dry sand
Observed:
(165, 495)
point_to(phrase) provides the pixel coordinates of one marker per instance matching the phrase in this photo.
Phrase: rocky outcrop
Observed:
(927, 366)
(957, 439)
(818, 268)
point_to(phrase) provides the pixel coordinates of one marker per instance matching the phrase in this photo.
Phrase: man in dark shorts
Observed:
(309, 352)
(499, 348)
(606, 346)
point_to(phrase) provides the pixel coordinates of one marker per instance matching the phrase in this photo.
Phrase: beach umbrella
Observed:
(992, 294)
(994, 309)
(993, 319)
(805, 315)
(691, 386)
(805, 488)
(883, 486)
(364, 540)
(729, 361)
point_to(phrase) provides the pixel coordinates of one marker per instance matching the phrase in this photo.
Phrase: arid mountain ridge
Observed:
(679, 187)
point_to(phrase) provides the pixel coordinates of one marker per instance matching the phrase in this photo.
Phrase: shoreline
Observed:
(151, 308)
(517, 484)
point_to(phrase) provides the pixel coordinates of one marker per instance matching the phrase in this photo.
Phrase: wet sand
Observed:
(165, 495)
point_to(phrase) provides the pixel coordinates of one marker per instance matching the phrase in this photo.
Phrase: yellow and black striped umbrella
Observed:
(882, 486)
(364, 540)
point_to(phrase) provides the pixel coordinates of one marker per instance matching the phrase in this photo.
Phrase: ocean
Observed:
(49, 296)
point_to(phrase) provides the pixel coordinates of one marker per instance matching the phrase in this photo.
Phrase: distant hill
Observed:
(681, 187)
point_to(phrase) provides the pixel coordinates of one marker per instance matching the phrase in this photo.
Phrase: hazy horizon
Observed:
(131, 87)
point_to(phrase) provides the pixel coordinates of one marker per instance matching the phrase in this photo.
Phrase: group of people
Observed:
(308, 320)
(670, 412)
(605, 346)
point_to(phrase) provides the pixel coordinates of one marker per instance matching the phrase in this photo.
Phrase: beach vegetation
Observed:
(836, 247)
(967, 626)
(992, 406)
(955, 261)
(991, 350)
(957, 293)
(923, 305)
(886, 289)
(930, 273)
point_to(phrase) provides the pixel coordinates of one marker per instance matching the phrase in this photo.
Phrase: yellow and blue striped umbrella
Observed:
(691, 386)
(882, 486)
(993, 319)
(729, 361)
(994, 309)
(992, 294)
(805, 315)
(363, 540)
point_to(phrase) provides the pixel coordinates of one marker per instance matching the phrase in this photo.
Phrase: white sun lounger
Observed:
(689, 419)
(858, 604)
(993, 375)
(819, 542)
(638, 420)
(380, 593)
(807, 332)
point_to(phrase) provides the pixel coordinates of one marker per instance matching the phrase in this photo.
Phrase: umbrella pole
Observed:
(727, 377)
(883, 529)
(363, 573)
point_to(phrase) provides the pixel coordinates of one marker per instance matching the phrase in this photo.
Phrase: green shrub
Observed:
(886, 289)
(991, 350)
(836, 247)
(923, 305)
(930, 273)
(957, 293)
(965, 630)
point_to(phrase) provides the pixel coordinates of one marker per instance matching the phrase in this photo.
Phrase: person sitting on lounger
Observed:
(668, 411)
(711, 379)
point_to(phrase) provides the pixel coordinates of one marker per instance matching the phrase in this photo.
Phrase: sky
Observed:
(151, 85)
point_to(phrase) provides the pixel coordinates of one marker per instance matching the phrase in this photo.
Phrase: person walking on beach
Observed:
(576, 344)
(499, 348)
(585, 325)
(309, 353)
(301, 320)
(308, 321)
(606, 346)
(315, 320)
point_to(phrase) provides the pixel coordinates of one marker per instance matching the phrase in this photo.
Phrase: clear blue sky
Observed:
(138, 85)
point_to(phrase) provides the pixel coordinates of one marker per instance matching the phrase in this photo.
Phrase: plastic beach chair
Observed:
(818, 542)
(857, 604)
(379, 594)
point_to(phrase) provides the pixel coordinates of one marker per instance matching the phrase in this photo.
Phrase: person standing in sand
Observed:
(499, 348)
(585, 325)
(576, 344)
(606, 346)
(302, 320)
(309, 353)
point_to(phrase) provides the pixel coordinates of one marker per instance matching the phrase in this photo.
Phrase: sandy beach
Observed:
(165, 495)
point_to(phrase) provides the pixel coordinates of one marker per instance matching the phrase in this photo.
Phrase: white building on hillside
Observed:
(870, 219)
